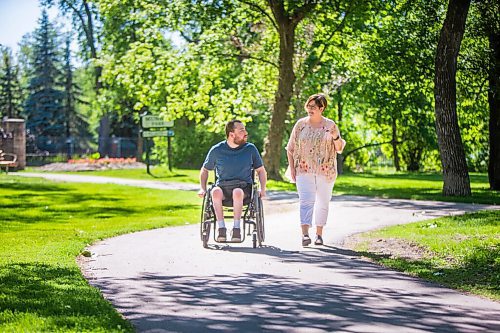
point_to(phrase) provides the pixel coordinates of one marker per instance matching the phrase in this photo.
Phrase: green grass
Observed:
(45, 225)
(402, 185)
(464, 251)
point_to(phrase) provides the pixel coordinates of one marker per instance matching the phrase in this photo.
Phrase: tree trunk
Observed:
(494, 102)
(395, 144)
(414, 157)
(455, 173)
(104, 135)
(273, 144)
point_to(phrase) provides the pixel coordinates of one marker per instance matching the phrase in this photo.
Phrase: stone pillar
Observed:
(18, 144)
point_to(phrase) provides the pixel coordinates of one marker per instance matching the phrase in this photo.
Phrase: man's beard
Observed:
(240, 142)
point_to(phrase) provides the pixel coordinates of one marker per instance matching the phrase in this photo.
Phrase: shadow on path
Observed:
(263, 302)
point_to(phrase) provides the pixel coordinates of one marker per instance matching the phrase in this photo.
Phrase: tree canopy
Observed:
(202, 63)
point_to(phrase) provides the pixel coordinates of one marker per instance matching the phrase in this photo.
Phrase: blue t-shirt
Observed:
(233, 163)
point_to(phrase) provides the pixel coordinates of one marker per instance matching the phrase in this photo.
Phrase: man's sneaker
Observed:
(319, 240)
(306, 240)
(236, 237)
(222, 235)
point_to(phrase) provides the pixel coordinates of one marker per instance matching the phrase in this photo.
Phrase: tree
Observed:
(494, 101)
(455, 172)
(285, 22)
(85, 16)
(10, 90)
(75, 124)
(251, 44)
(44, 105)
(328, 20)
(489, 23)
(395, 80)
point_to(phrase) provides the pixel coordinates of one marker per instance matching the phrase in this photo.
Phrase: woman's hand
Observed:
(293, 174)
(334, 131)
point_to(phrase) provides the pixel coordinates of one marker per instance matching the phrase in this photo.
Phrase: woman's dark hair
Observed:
(230, 126)
(319, 100)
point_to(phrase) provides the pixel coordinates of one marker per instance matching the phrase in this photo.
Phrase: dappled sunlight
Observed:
(261, 302)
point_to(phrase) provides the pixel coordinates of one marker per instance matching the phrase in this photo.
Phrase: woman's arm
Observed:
(291, 165)
(338, 142)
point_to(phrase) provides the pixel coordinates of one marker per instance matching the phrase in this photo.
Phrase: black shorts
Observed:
(228, 186)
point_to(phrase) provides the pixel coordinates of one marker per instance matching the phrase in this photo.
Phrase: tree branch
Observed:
(301, 12)
(278, 12)
(326, 44)
(82, 20)
(247, 56)
(344, 156)
(262, 10)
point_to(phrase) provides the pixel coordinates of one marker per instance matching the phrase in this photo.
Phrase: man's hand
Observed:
(201, 193)
(262, 193)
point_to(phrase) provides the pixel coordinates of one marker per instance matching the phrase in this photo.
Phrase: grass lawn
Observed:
(45, 225)
(461, 252)
(403, 185)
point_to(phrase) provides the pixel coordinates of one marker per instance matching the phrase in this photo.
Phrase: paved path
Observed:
(164, 281)
(110, 180)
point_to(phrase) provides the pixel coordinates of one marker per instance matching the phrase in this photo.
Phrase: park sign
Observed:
(151, 134)
(154, 121)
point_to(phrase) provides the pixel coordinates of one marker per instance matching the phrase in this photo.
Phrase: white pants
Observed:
(315, 192)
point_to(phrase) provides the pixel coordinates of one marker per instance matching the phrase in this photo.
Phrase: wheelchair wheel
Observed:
(259, 220)
(206, 220)
(206, 233)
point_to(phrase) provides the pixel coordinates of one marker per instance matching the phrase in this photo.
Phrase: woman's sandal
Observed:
(306, 240)
(319, 240)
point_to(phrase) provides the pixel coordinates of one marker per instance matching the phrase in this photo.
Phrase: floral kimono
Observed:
(313, 150)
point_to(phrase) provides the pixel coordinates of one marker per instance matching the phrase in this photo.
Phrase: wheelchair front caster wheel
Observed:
(254, 240)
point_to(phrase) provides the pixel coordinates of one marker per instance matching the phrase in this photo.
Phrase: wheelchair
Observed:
(252, 217)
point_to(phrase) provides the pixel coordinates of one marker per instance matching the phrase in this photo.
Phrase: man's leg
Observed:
(238, 203)
(238, 196)
(217, 197)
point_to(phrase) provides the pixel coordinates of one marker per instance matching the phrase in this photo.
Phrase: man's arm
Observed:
(203, 182)
(262, 174)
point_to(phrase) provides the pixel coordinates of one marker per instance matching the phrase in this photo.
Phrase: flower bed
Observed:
(106, 160)
(90, 164)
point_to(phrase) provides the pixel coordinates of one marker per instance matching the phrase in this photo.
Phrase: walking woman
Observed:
(312, 164)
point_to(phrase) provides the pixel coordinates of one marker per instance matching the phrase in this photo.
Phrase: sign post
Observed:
(154, 126)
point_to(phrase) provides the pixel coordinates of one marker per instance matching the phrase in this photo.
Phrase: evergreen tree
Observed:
(75, 124)
(10, 90)
(44, 105)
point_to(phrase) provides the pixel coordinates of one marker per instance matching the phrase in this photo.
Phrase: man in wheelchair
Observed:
(233, 161)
